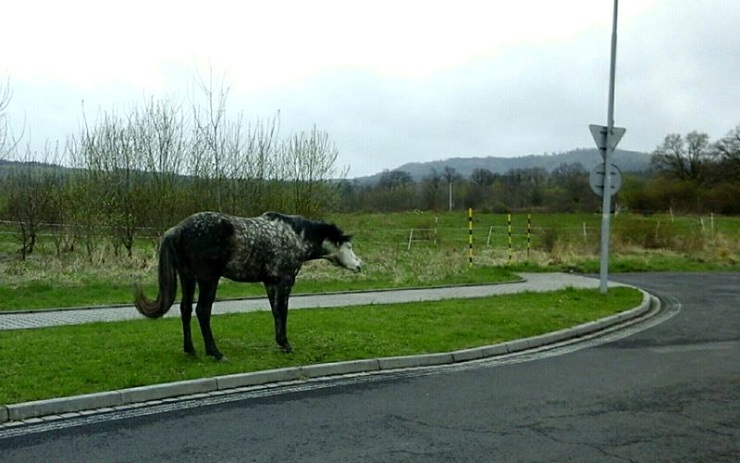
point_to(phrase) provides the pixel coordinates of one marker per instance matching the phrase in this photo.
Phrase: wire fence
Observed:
(514, 233)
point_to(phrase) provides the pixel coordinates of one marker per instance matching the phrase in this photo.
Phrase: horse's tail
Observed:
(167, 281)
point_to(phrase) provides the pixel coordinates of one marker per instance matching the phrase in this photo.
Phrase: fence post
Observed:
(510, 244)
(529, 234)
(470, 237)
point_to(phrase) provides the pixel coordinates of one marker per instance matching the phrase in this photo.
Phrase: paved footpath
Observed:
(536, 282)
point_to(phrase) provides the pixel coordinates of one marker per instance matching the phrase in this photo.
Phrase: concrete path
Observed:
(535, 282)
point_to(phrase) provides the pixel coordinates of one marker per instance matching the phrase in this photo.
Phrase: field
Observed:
(400, 250)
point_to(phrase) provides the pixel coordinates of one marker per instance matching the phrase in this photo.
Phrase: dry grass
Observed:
(74, 268)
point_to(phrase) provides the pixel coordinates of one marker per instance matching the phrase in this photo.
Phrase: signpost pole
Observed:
(606, 204)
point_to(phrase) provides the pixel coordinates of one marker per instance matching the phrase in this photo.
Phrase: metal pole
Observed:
(450, 195)
(606, 204)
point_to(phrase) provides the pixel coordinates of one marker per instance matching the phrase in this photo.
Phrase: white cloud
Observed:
(391, 81)
(260, 43)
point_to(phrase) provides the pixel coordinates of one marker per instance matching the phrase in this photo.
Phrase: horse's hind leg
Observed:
(278, 294)
(206, 296)
(186, 311)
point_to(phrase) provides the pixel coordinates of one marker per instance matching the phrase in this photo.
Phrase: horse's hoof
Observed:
(223, 358)
(287, 349)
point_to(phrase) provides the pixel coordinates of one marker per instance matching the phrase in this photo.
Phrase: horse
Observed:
(270, 249)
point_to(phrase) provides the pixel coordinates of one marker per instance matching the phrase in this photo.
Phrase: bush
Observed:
(548, 239)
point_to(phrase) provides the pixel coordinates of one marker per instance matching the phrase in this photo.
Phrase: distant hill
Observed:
(8, 166)
(627, 161)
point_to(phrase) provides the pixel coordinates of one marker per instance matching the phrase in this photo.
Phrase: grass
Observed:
(556, 242)
(63, 361)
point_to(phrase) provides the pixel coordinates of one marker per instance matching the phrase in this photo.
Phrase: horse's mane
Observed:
(313, 230)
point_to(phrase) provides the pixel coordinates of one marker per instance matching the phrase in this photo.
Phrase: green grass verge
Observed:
(64, 361)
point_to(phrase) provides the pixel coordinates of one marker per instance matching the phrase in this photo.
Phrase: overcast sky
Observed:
(390, 81)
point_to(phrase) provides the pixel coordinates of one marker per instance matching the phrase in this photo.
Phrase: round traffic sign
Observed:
(596, 179)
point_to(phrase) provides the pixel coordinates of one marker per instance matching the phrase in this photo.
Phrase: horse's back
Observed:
(265, 248)
(204, 242)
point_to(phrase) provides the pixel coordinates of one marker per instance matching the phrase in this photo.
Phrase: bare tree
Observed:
(209, 140)
(309, 160)
(451, 176)
(8, 141)
(161, 141)
(480, 191)
(30, 188)
(571, 191)
(728, 151)
(395, 180)
(684, 158)
(108, 153)
(237, 166)
(432, 190)
(259, 170)
(482, 177)
(395, 191)
(5, 96)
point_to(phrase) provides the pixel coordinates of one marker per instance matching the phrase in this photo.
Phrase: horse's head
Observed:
(340, 253)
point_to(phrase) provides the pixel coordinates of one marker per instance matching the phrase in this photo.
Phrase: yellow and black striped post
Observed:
(529, 233)
(511, 249)
(470, 237)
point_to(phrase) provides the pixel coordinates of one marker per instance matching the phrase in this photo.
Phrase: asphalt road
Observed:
(670, 392)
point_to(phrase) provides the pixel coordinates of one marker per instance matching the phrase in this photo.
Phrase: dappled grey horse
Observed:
(270, 249)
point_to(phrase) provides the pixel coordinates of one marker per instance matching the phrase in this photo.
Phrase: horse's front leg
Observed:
(279, 294)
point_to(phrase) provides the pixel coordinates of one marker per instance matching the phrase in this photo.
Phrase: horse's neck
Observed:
(314, 250)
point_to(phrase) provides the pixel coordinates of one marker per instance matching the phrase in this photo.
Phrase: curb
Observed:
(87, 404)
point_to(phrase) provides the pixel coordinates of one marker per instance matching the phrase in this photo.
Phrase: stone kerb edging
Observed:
(43, 410)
